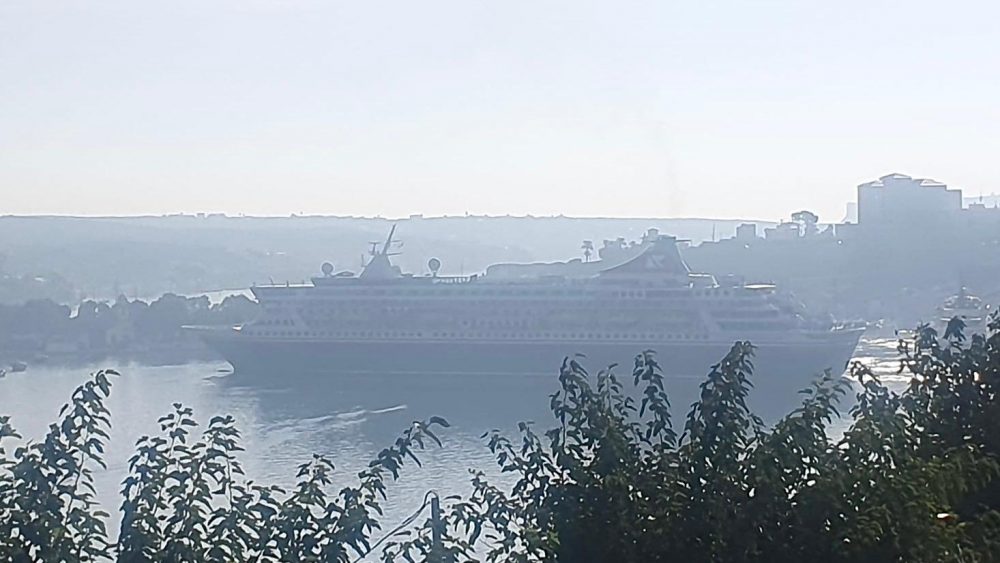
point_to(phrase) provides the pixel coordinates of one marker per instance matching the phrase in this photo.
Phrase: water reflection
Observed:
(348, 418)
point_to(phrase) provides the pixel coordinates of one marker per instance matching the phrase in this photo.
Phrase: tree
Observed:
(916, 477)
(185, 498)
(588, 249)
(234, 309)
(807, 221)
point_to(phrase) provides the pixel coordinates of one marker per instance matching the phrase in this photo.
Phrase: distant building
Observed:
(988, 201)
(980, 208)
(782, 231)
(746, 232)
(846, 231)
(851, 214)
(898, 200)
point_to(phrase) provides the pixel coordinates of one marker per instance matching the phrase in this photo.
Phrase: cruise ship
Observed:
(524, 319)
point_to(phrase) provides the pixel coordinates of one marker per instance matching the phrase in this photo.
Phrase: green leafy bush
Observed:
(185, 498)
(915, 477)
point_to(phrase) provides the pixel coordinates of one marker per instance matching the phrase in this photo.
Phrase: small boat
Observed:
(969, 308)
(17, 367)
(3, 373)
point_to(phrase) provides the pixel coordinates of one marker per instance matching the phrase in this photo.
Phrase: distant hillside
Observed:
(146, 256)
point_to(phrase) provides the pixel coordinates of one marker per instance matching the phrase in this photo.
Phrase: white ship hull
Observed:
(384, 322)
(781, 369)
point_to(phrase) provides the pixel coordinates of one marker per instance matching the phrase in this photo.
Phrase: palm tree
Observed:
(588, 249)
(807, 221)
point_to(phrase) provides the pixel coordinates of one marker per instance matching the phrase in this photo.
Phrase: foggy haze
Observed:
(728, 110)
(441, 281)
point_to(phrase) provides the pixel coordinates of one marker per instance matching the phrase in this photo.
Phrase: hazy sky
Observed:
(666, 108)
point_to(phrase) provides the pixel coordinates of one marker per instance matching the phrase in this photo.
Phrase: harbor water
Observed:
(348, 419)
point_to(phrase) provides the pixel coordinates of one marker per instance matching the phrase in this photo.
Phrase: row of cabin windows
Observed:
(402, 306)
(378, 334)
(465, 324)
(365, 312)
(744, 325)
(625, 294)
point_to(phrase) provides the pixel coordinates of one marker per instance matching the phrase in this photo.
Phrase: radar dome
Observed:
(327, 269)
(434, 265)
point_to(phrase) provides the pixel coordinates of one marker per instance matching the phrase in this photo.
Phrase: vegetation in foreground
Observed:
(914, 478)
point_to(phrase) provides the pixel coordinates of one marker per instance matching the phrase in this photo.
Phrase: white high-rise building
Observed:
(900, 201)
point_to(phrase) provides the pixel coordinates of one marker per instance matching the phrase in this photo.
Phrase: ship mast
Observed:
(388, 241)
(379, 267)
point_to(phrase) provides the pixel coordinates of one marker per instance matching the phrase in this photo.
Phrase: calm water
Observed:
(349, 419)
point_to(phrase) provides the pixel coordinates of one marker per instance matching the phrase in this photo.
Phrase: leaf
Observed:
(439, 421)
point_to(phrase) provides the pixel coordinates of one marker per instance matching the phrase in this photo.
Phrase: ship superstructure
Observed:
(384, 320)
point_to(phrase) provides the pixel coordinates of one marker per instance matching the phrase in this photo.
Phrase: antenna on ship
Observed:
(379, 266)
(374, 250)
(389, 242)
